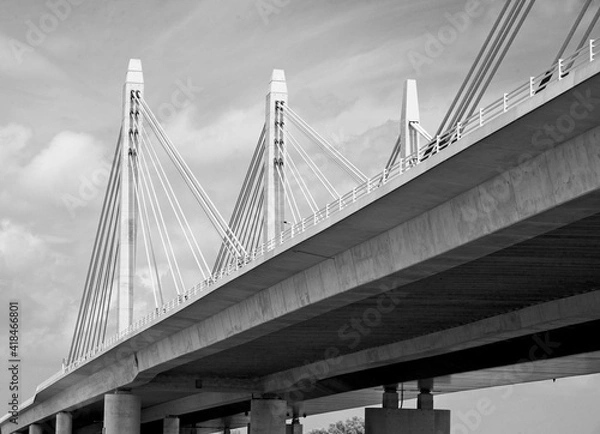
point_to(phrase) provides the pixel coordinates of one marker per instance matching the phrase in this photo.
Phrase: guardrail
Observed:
(508, 102)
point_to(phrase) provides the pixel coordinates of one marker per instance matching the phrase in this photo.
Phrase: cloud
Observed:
(20, 250)
(13, 140)
(234, 131)
(363, 116)
(33, 272)
(72, 164)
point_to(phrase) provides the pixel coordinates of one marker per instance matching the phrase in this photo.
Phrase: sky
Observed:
(62, 68)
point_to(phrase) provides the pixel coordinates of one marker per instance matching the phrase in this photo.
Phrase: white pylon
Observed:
(409, 137)
(274, 208)
(134, 83)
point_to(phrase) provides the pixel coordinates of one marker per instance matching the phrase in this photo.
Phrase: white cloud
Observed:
(361, 117)
(72, 163)
(13, 140)
(20, 250)
(235, 130)
(33, 272)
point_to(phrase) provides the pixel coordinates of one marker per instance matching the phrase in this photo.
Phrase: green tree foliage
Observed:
(356, 425)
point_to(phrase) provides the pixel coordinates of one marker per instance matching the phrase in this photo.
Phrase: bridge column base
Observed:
(122, 413)
(171, 425)
(294, 428)
(267, 416)
(35, 429)
(406, 421)
(64, 423)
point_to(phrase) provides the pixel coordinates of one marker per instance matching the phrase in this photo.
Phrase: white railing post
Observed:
(531, 84)
(354, 194)
(458, 131)
(437, 143)
(560, 69)
(505, 101)
(481, 116)
(592, 50)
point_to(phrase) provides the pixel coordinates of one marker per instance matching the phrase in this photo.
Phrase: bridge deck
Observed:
(549, 255)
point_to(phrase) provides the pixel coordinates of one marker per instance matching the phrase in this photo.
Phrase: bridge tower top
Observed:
(410, 116)
(274, 162)
(134, 83)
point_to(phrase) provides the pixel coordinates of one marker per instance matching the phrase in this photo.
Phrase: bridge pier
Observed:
(425, 398)
(122, 413)
(268, 416)
(171, 425)
(423, 420)
(390, 396)
(295, 427)
(64, 423)
(35, 429)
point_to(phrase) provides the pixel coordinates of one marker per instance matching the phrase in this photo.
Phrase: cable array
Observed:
(156, 206)
(92, 318)
(247, 220)
(488, 60)
(584, 39)
(241, 236)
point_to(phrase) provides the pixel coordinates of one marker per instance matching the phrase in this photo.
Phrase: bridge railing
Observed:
(509, 101)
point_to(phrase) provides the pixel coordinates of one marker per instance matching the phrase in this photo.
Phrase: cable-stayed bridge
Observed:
(470, 260)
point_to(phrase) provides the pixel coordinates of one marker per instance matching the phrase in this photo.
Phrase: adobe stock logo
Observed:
(266, 8)
(90, 187)
(183, 96)
(436, 43)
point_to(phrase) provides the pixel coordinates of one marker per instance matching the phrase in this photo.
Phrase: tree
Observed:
(356, 425)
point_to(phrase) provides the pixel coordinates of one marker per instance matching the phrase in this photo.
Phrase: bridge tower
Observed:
(129, 213)
(274, 209)
(410, 116)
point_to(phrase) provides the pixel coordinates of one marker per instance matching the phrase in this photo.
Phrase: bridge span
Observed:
(479, 266)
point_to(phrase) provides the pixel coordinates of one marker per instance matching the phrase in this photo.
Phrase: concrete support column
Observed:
(122, 413)
(227, 425)
(64, 423)
(423, 420)
(171, 425)
(267, 416)
(295, 427)
(390, 396)
(35, 429)
(425, 398)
